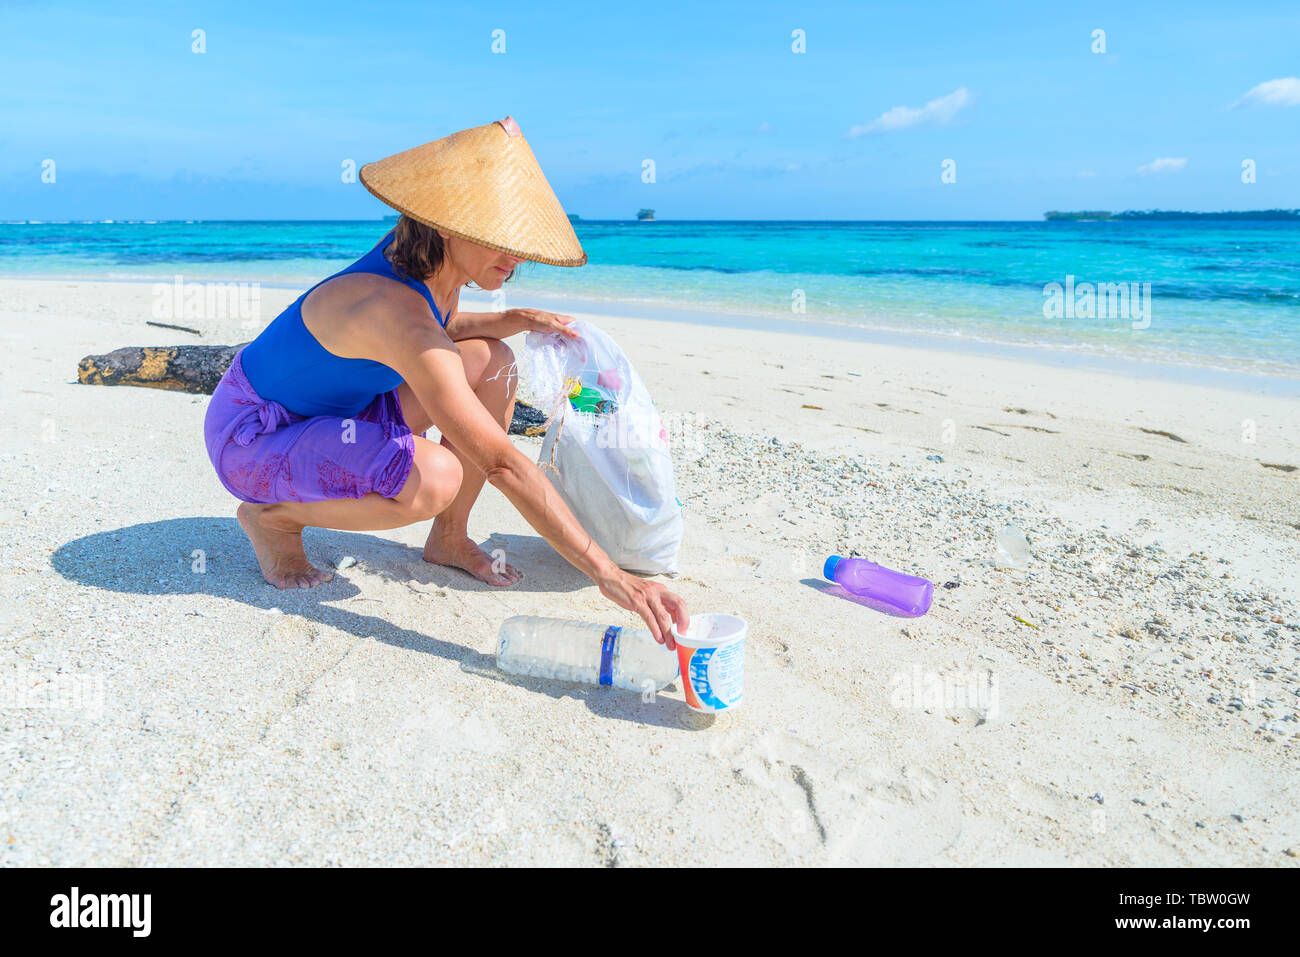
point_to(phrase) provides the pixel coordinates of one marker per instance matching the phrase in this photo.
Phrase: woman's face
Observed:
(486, 268)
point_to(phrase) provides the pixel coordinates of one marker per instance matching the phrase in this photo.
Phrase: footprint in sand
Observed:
(830, 806)
(775, 764)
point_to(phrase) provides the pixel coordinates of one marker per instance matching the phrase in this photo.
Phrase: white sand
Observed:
(202, 717)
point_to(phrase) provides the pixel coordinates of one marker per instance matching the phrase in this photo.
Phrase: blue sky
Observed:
(738, 125)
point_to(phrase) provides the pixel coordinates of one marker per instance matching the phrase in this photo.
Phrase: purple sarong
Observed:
(263, 453)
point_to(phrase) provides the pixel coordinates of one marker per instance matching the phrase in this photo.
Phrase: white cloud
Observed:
(1165, 164)
(1281, 92)
(764, 127)
(941, 110)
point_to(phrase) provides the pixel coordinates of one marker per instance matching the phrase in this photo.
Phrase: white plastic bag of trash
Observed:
(606, 449)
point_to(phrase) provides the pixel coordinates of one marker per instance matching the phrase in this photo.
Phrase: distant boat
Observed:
(646, 215)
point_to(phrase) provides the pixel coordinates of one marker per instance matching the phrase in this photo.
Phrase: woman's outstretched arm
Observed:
(503, 325)
(425, 357)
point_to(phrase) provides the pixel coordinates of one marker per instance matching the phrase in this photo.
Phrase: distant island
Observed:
(574, 218)
(646, 215)
(1101, 215)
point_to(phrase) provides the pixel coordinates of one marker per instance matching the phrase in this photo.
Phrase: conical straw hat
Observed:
(484, 185)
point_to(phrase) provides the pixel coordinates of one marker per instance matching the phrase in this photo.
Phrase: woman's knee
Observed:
(436, 474)
(488, 360)
(501, 370)
(501, 355)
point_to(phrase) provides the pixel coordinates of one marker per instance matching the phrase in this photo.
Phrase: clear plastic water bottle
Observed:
(881, 588)
(577, 651)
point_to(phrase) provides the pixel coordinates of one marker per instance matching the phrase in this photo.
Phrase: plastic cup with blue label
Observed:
(712, 659)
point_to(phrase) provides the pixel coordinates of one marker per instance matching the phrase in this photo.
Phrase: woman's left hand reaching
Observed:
(538, 320)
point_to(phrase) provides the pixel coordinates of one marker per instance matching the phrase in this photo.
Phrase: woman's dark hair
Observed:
(417, 250)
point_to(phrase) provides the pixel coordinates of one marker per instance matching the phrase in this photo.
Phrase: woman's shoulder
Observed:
(370, 293)
(357, 314)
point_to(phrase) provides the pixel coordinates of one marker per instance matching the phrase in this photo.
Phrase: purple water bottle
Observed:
(881, 588)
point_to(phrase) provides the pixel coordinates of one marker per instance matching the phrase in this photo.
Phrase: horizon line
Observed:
(383, 219)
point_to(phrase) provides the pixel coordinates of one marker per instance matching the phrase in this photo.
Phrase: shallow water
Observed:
(1221, 295)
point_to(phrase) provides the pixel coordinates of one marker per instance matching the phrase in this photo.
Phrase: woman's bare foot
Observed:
(459, 551)
(279, 551)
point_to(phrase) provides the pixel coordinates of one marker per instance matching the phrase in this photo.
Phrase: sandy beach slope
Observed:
(1130, 697)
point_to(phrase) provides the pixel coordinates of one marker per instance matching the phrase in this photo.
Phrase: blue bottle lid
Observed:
(829, 570)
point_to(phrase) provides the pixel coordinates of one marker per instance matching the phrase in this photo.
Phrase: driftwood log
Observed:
(198, 369)
(175, 368)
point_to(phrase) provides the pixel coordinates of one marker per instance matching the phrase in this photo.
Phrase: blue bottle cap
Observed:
(829, 570)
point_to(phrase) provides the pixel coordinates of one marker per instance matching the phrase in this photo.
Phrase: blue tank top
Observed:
(287, 364)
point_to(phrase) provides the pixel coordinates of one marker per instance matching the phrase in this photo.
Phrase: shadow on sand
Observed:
(211, 556)
(839, 591)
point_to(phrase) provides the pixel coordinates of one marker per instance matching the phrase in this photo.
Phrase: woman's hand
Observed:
(538, 320)
(652, 601)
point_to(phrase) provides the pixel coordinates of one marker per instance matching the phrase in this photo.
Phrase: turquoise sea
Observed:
(1223, 295)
